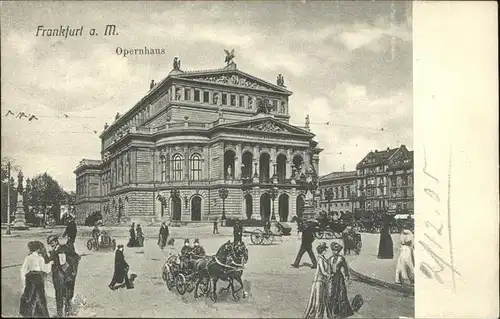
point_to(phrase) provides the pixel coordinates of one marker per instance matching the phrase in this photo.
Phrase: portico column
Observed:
(173, 94)
(288, 164)
(272, 162)
(237, 161)
(256, 160)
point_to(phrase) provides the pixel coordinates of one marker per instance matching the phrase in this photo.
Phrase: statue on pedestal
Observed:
(177, 64)
(19, 219)
(280, 81)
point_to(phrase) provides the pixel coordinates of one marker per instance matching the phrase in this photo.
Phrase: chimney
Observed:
(388, 149)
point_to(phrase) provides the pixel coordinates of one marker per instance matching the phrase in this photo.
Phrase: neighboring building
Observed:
(194, 138)
(373, 182)
(400, 174)
(337, 192)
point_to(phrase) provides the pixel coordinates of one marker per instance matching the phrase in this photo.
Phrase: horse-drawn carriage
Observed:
(262, 237)
(203, 274)
(104, 240)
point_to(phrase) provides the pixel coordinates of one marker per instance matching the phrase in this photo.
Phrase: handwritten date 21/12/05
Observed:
(432, 244)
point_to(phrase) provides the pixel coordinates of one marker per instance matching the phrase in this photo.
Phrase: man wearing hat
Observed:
(186, 252)
(70, 231)
(306, 246)
(64, 270)
(121, 270)
(197, 253)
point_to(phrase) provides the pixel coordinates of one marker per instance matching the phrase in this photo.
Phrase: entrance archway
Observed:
(265, 206)
(248, 206)
(300, 206)
(247, 161)
(264, 167)
(281, 168)
(176, 208)
(196, 208)
(283, 207)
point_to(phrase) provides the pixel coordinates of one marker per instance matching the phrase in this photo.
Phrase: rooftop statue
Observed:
(280, 81)
(177, 64)
(229, 56)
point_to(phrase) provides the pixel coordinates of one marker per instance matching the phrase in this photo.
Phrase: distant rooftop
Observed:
(337, 175)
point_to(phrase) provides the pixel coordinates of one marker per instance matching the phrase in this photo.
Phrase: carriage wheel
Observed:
(180, 284)
(320, 234)
(268, 238)
(170, 280)
(90, 244)
(257, 237)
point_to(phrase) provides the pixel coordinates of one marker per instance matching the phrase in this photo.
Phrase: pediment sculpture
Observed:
(233, 80)
(267, 127)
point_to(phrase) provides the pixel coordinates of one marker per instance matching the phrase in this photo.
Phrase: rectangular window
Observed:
(242, 101)
(233, 100)
(197, 95)
(187, 94)
(206, 96)
(224, 99)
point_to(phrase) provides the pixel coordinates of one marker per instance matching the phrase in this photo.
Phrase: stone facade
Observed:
(193, 134)
(380, 178)
(337, 192)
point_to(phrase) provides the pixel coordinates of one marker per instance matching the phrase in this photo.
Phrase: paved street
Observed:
(275, 288)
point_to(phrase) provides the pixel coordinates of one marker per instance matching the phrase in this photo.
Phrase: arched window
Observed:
(163, 167)
(195, 166)
(177, 167)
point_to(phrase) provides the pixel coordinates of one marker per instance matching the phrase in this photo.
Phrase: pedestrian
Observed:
(33, 275)
(317, 305)
(96, 232)
(237, 231)
(385, 248)
(185, 256)
(163, 235)
(70, 231)
(216, 229)
(120, 274)
(306, 245)
(132, 240)
(64, 270)
(139, 236)
(338, 303)
(405, 266)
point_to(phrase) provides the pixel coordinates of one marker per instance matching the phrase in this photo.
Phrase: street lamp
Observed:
(329, 197)
(274, 193)
(223, 192)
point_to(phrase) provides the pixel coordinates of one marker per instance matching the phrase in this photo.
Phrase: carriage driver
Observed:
(186, 252)
(96, 232)
(197, 252)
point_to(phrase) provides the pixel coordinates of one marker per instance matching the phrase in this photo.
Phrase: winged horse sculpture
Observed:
(229, 56)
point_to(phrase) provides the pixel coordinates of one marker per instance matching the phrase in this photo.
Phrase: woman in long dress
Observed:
(139, 236)
(316, 307)
(33, 274)
(406, 262)
(163, 236)
(385, 248)
(338, 304)
(132, 240)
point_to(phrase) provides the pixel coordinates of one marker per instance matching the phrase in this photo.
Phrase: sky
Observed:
(348, 64)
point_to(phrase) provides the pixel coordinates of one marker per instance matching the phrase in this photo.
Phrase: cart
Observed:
(104, 241)
(262, 237)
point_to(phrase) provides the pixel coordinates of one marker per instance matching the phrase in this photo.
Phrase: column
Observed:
(173, 91)
(272, 161)
(237, 162)
(288, 164)
(256, 159)
(186, 164)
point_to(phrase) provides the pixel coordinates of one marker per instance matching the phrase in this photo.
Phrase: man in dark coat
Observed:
(237, 231)
(64, 271)
(216, 229)
(186, 251)
(70, 231)
(197, 253)
(306, 245)
(163, 235)
(121, 271)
